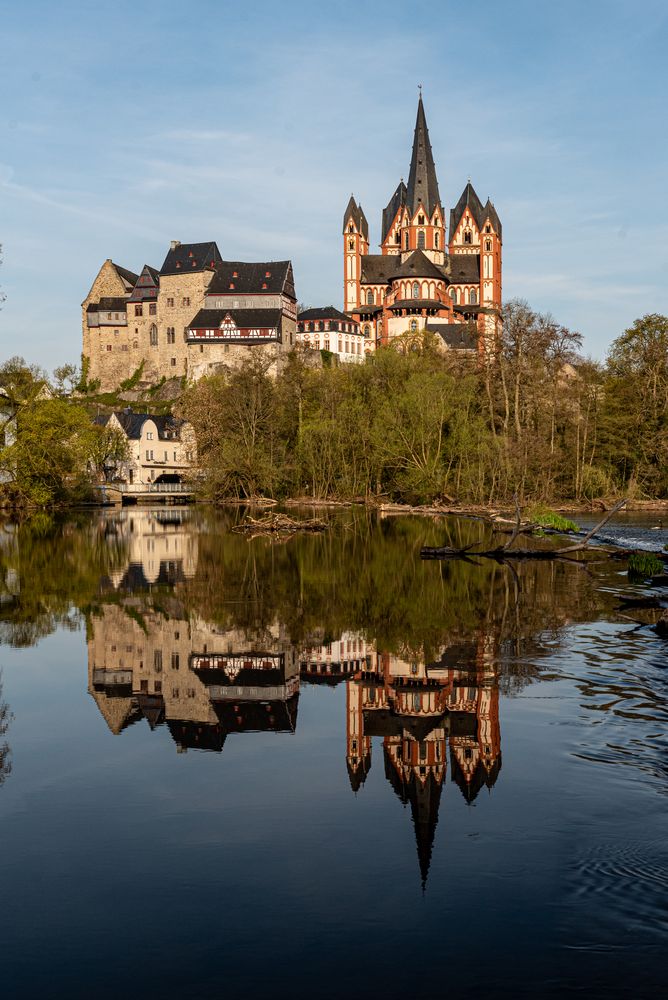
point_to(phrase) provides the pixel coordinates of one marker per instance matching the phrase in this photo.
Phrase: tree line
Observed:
(414, 424)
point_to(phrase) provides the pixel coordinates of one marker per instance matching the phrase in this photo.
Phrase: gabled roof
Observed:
(325, 312)
(378, 269)
(469, 199)
(132, 424)
(456, 336)
(129, 277)
(276, 275)
(418, 265)
(422, 184)
(147, 285)
(244, 319)
(390, 211)
(188, 257)
(359, 218)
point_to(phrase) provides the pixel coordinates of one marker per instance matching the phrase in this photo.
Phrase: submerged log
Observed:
(504, 552)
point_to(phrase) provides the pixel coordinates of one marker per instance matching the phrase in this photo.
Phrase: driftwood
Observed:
(278, 524)
(504, 552)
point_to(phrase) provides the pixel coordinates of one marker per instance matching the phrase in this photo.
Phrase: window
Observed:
(421, 240)
(171, 335)
(149, 456)
(488, 228)
(435, 241)
(153, 335)
(351, 244)
(108, 347)
(175, 661)
(138, 310)
(170, 302)
(149, 435)
(473, 297)
(152, 308)
(351, 228)
(185, 301)
(420, 220)
(157, 660)
(165, 461)
(397, 237)
(158, 687)
(340, 344)
(369, 298)
(172, 362)
(488, 245)
(175, 461)
(367, 330)
(413, 326)
(467, 236)
(416, 290)
(326, 343)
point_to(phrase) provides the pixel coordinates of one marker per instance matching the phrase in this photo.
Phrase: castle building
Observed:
(427, 276)
(196, 315)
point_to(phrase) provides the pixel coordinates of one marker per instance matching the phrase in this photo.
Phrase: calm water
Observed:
(322, 767)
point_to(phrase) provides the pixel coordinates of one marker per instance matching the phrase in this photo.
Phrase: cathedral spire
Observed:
(422, 183)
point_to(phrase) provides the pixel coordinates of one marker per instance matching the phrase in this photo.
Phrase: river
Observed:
(320, 766)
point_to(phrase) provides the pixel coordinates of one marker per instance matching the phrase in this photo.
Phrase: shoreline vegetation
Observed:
(409, 430)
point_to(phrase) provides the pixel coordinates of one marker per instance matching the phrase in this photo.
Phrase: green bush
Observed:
(546, 518)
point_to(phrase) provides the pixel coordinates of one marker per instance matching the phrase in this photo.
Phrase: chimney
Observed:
(174, 244)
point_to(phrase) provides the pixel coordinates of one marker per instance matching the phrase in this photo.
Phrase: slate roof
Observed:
(464, 268)
(394, 204)
(250, 277)
(128, 276)
(481, 213)
(457, 336)
(244, 319)
(422, 184)
(132, 424)
(108, 304)
(358, 216)
(324, 312)
(146, 290)
(418, 265)
(188, 257)
(378, 269)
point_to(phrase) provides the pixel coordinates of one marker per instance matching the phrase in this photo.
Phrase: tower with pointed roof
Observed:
(425, 279)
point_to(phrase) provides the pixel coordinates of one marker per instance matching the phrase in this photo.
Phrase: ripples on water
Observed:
(313, 683)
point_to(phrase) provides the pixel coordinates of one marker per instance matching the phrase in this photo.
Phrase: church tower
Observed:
(355, 246)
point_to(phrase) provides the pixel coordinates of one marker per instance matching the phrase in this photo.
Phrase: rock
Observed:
(661, 626)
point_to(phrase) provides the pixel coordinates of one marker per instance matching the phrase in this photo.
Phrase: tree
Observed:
(49, 459)
(109, 448)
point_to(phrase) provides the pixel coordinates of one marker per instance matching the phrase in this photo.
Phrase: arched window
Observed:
(473, 297)
(488, 245)
(367, 330)
(416, 289)
(453, 294)
(467, 236)
(413, 326)
(351, 244)
(369, 298)
(153, 335)
(421, 240)
(351, 228)
(436, 241)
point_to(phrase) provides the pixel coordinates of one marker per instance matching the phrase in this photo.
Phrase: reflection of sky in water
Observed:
(258, 870)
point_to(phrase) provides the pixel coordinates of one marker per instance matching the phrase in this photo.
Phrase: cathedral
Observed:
(426, 278)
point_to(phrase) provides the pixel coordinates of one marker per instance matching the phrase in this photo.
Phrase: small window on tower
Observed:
(351, 228)
(435, 241)
(351, 244)
(467, 236)
(420, 220)
(421, 240)
(397, 237)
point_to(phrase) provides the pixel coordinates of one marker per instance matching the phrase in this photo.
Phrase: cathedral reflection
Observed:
(151, 659)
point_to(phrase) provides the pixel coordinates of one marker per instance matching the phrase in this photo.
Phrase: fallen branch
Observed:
(278, 524)
(504, 552)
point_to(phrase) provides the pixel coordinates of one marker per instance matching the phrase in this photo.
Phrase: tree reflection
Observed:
(5, 751)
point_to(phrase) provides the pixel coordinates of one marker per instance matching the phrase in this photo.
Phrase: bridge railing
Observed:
(136, 489)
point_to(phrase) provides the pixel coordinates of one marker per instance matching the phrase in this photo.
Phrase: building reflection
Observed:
(149, 659)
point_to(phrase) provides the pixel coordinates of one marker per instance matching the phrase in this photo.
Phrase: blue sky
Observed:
(124, 125)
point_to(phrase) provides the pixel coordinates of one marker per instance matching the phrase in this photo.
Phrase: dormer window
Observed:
(267, 274)
(178, 264)
(264, 284)
(488, 228)
(190, 253)
(235, 274)
(351, 228)
(194, 263)
(420, 220)
(231, 284)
